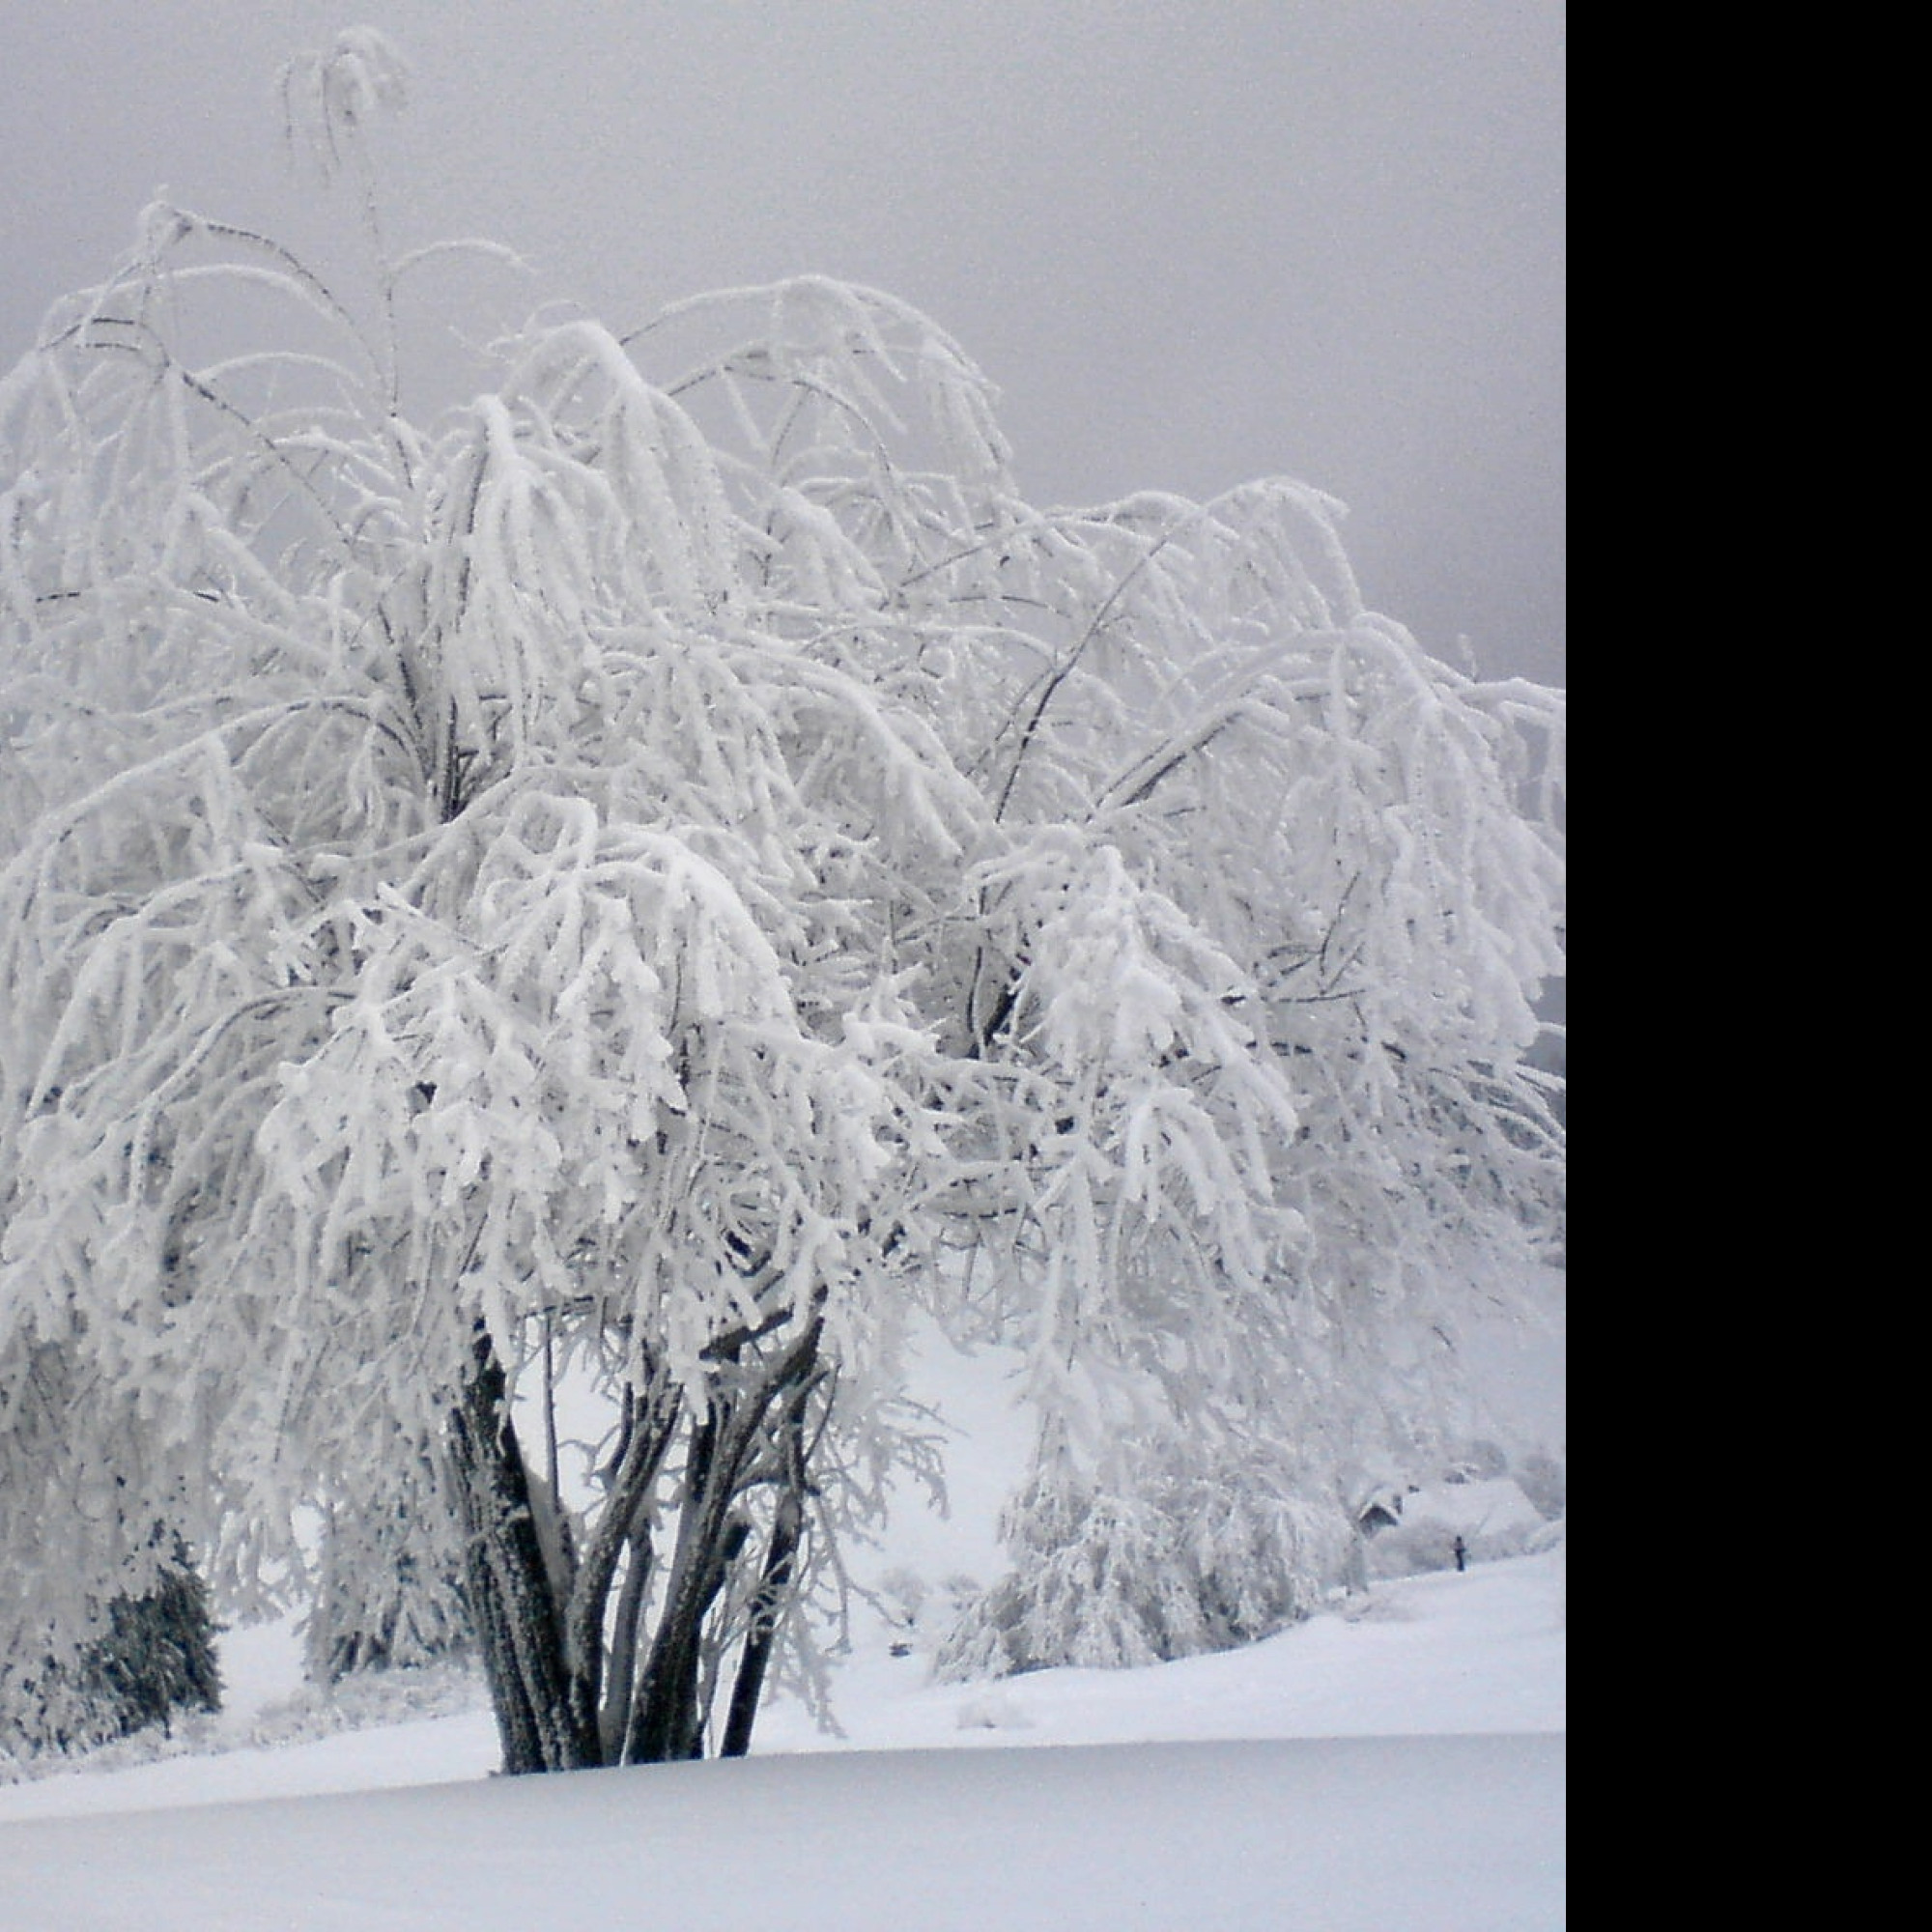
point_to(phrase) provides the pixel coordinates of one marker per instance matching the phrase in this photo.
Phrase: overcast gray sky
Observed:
(1191, 241)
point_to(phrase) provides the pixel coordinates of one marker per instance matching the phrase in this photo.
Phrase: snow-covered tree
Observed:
(153, 1655)
(533, 940)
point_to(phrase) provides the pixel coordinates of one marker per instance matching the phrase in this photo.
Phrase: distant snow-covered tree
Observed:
(387, 1589)
(152, 1657)
(600, 903)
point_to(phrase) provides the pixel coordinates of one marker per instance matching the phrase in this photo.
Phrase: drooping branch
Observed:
(807, 864)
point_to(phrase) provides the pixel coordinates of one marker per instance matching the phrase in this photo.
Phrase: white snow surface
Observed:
(1395, 1767)
(1395, 1764)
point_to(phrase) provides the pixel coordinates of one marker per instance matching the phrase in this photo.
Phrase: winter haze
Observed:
(1191, 243)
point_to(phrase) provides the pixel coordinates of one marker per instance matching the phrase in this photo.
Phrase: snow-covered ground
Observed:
(1398, 1767)
(1394, 1765)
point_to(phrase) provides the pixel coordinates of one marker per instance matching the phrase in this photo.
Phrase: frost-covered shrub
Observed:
(388, 1586)
(152, 1659)
(1116, 1581)
(156, 1656)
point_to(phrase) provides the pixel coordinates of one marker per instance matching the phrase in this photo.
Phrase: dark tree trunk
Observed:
(768, 1609)
(665, 1724)
(544, 1716)
(578, 1675)
(798, 1377)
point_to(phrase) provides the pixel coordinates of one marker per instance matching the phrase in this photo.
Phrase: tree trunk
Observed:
(545, 1718)
(768, 1609)
(665, 1724)
(565, 1699)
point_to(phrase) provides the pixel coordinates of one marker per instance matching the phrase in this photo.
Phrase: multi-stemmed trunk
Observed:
(590, 1659)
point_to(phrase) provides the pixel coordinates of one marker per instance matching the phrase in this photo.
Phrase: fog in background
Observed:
(1192, 243)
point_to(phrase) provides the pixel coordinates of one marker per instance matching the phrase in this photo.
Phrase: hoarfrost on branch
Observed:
(640, 882)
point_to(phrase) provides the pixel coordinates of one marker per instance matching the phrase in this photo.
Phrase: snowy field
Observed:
(1396, 1765)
